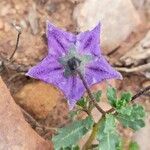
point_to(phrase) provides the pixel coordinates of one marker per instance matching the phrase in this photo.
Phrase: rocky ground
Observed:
(125, 41)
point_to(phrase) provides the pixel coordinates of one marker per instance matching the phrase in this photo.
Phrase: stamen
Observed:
(73, 63)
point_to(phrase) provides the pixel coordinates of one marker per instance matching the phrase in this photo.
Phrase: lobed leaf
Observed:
(97, 95)
(70, 135)
(82, 102)
(132, 116)
(111, 95)
(108, 136)
(124, 100)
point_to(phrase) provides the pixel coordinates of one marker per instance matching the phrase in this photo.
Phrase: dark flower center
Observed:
(73, 63)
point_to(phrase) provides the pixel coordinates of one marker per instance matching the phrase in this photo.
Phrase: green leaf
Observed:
(82, 102)
(124, 100)
(97, 95)
(111, 95)
(133, 146)
(108, 136)
(126, 96)
(132, 116)
(70, 135)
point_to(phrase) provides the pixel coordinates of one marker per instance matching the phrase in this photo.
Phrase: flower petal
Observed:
(59, 41)
(48, 70)
(73, 90)
(88, 42)
(100, 70)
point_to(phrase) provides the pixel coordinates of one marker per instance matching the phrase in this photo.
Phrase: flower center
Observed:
(73, 63)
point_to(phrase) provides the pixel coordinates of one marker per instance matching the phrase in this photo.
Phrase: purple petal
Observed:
(73, 89)
(100, 70)
(48, 70)
(59, 41)
(89, 41)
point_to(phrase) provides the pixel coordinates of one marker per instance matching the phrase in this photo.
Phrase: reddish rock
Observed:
(38, 98)
(15, 132)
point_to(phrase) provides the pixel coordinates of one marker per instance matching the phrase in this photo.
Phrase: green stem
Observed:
(96, 125)
(92, 137)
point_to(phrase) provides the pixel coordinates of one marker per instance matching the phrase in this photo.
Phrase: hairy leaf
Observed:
(132, 116)
(111, 95)
(97, 95)
(70, 135)
(82, 102)
(108, 136)
(124, 100)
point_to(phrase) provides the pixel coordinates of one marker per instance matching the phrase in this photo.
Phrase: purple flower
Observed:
(68, 52)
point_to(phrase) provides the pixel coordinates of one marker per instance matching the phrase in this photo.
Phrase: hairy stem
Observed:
(140, 93)
(90, 94)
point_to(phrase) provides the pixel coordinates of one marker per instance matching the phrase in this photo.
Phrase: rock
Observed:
(143, 6)
(139, 53)
(38, 98)
(118, 19)
(15, 132)
(143, 135)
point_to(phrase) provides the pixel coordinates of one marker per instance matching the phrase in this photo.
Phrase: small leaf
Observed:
(97, 95)
(126, 96)
(82, 102)
(111, 95)
(70, 135)
(124, 100)
(133, 146)
(108, 136)
(132, 116)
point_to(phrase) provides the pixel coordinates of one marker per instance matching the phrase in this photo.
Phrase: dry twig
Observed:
(135, 69)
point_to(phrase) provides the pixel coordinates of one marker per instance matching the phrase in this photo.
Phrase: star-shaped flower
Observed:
(67, 53)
